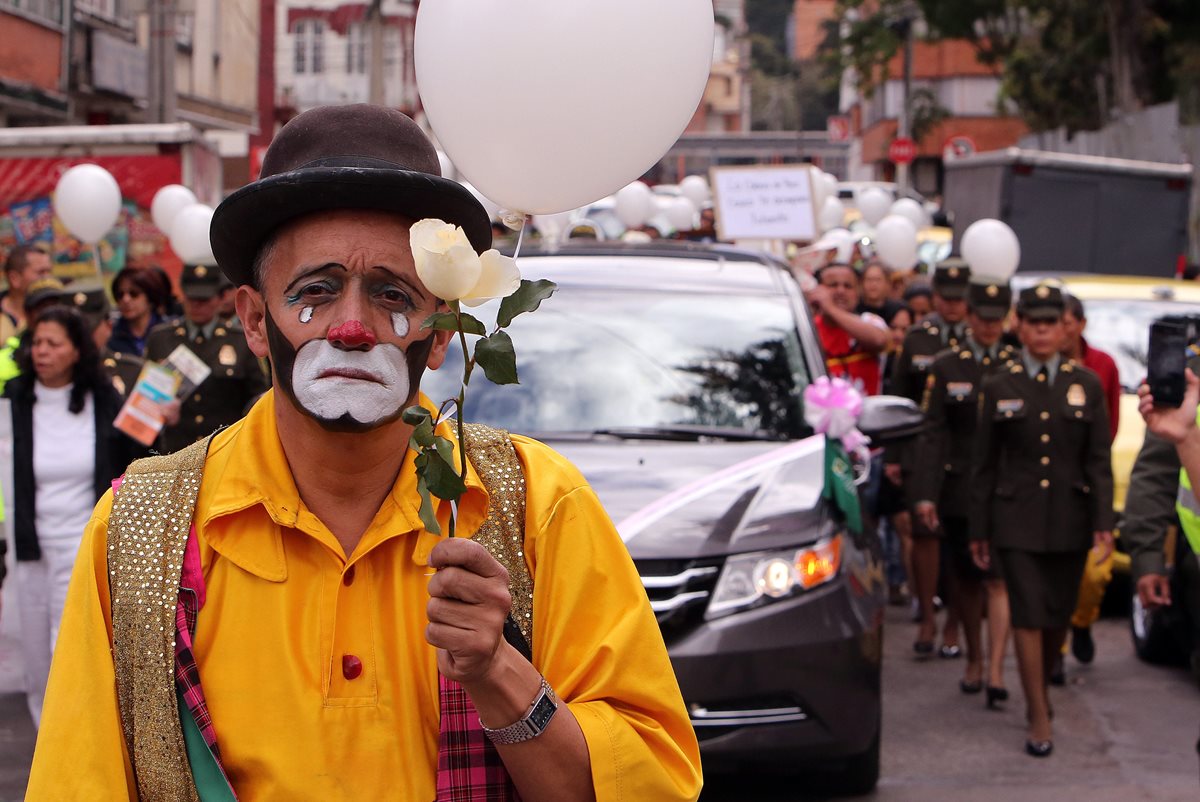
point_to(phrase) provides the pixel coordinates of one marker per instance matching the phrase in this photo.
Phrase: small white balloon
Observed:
(833, 212)
(189, 235)
(168, 202)
(87, 200)
(552, 227)
(896, 242)
(873, 204)
(912, 211)
(680, 213)
(831, 184)
(991, 249)
(635, 204)
(695, 188)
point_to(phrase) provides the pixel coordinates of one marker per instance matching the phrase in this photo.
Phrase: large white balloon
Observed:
(873, 204)
(168, 202)
(695, 188)
(896, 242)
(490, 206)
(912, 211)
(680, 213)
(601, 91)
(88, 202)
(831, 184)
(189, 235)
(832, 213)
(991, 249)
(635, 204)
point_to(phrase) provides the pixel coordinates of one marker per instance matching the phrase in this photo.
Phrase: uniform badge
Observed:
(227, 355)
(922, 361)
(959, 389)
(1010, 405)
(1076, 395)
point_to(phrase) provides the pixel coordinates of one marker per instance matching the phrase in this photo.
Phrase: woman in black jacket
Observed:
(65, 455)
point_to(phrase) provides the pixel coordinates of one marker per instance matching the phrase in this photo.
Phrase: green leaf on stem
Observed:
(448, 321)
(442, 479)
(527, 298)
(427, 512)
(496, 356)
(414, 415)
(444, 447)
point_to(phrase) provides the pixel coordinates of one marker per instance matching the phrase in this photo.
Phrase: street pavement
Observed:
(1124, 732)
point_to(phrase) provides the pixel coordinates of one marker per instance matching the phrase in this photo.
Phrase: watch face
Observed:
(542, 713)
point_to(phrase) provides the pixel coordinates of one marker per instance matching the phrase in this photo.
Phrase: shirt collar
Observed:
(248, 469)
(207, 329)
(980, 352)
(1032, 366)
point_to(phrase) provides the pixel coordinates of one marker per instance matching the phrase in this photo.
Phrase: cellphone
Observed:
(1167, 362)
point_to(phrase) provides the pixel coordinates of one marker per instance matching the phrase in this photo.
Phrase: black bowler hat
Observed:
(1043, 302)
(341, 157)
(950, 279)
(989, 299)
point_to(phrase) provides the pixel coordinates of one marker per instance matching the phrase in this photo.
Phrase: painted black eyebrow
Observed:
(311, 272)
(412, 288)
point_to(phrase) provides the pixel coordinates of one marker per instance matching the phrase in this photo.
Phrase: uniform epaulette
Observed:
(932, 329)
(1016, 369)
(963, 353)
(1068, 367)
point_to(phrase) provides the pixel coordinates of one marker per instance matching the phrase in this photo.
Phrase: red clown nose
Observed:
(352, 335)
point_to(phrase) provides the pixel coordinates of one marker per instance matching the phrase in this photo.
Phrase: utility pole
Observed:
(904, 121)
(161, 106)
(375, 76)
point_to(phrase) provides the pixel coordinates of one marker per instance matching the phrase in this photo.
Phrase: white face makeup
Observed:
(367, 386)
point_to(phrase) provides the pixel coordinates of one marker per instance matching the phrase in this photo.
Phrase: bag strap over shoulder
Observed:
(492, 454)
(147, 533)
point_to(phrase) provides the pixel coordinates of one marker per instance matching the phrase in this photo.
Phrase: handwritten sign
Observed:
(765, 202)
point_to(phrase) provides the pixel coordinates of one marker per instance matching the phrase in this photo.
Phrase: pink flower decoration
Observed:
(832, 407)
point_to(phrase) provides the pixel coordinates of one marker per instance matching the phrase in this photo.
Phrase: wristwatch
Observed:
(532, 724)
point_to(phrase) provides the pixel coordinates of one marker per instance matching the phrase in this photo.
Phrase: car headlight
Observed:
(753, 579)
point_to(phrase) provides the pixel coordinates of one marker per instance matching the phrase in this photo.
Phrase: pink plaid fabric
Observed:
(469, 767)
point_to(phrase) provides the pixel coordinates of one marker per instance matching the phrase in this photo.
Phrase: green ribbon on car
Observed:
(840, 489)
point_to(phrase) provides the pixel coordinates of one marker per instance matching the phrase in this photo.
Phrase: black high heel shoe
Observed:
(995, 696)
(1039, 748)
(970, 687)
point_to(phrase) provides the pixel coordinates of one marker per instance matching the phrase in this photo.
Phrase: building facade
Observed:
(325, 54)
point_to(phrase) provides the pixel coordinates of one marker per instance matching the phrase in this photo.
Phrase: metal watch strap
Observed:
(532, 724)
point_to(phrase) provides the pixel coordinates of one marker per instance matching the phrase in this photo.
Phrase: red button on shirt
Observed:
(351, 666)
(348, 577)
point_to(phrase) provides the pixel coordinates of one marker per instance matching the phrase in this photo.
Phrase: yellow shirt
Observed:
(283, 608)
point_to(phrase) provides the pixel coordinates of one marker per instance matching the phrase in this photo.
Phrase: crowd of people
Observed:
(1001, 511)
(67, 366)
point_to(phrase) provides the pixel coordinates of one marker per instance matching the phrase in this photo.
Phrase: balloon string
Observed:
(520, 236)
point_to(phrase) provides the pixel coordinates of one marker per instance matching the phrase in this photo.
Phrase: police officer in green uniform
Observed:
(943, 467)
(945, 328)
(1041, 492)
(236, 379)
(91, 299)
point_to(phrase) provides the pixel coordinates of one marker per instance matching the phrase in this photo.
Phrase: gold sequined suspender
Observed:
(147, 532)
(503, 532)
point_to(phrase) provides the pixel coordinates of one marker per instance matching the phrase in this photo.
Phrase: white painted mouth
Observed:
(368, 386)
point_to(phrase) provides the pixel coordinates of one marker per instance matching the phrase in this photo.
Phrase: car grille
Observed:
(679, 591)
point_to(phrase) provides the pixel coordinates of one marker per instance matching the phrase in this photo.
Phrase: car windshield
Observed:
(650, 361)
(1122, 328)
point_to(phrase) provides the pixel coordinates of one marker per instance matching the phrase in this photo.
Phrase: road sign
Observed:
(958, 146)
(838, 128)
(902, 150)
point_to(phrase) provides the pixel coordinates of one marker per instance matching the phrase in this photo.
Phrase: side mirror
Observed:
(890, 419)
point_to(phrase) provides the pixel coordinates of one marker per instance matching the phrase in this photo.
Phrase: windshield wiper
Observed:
(683, 432)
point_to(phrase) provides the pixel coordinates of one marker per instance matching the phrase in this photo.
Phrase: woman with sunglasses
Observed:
(136, 292)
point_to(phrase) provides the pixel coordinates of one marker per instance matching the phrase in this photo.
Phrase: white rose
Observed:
(499, 278)
(446, 263)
